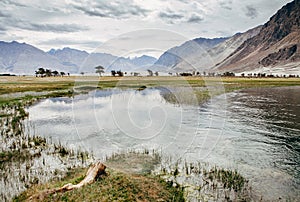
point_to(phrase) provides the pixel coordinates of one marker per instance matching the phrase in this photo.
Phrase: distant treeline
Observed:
(232, 74)
(259, 75)
(7, 75)
(41, 72)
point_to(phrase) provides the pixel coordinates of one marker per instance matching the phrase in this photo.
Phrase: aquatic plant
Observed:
(27, 159)
(203, 182)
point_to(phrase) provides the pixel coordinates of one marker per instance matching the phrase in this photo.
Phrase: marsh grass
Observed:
(141, 162)
(27, 159)
(122, 182)
(29, 156)
(202, 182)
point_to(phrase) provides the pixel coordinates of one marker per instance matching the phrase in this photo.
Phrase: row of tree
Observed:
(41, 72)
(269, 75)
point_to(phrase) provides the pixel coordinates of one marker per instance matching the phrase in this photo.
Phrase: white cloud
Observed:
(80, 23)
(109, 9)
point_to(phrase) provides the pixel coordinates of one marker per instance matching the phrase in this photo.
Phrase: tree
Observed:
(48, 72)
(55, 73)
(117, 73)
(82, 73)
(150, 72)
(41, 71)
(120, 73)
(99, 70)
(62, 73)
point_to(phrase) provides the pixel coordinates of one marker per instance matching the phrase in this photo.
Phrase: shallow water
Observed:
(255, 131)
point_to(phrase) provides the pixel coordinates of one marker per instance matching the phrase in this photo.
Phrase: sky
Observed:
(132, 26)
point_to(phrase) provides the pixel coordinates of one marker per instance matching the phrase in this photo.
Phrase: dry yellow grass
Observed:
(30, 83)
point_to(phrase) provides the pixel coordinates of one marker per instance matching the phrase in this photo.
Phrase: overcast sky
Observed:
(86, 24)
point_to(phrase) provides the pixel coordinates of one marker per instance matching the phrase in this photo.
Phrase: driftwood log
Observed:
(92, 174)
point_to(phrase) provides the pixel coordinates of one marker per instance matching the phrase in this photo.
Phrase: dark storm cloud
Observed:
(5, 15)
(59, 41)
(2, 29)
(11, 20)
(170, 16)
(56, 28)
(59, 28)
(185, 1)
(10, 2)
(195, 19)
(112, 9)
(226, 4)
(251, 12)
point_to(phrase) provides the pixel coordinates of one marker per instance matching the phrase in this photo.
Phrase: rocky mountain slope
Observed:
(175, 55)
(204, 60)
(277, 45)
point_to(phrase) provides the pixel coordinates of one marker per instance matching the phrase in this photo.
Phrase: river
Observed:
(256, 131)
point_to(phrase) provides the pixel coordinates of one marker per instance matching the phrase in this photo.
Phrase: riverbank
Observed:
(28, 159)
(15, 88)
(141, 176)
(129, 182)
(36, 84)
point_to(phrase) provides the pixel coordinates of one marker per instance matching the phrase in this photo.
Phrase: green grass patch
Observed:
(115, 186)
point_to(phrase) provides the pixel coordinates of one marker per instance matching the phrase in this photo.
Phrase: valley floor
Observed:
(17, 92)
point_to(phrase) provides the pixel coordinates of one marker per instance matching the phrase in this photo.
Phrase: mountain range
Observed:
(272, 47)
(206, 60)
(275, 47)
(22, 58)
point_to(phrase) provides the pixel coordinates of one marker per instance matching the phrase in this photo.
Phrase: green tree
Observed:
(48, 72)
(99, 70)
(55, 73)
(150, 72)
(41, 71)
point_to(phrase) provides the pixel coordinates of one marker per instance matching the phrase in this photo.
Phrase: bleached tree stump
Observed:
(92, 174)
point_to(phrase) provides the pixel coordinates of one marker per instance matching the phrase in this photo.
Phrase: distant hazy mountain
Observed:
(111, 62)
(276, 46)
(143, 61)
(22, 58)
(175, 55)
(69, 57)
